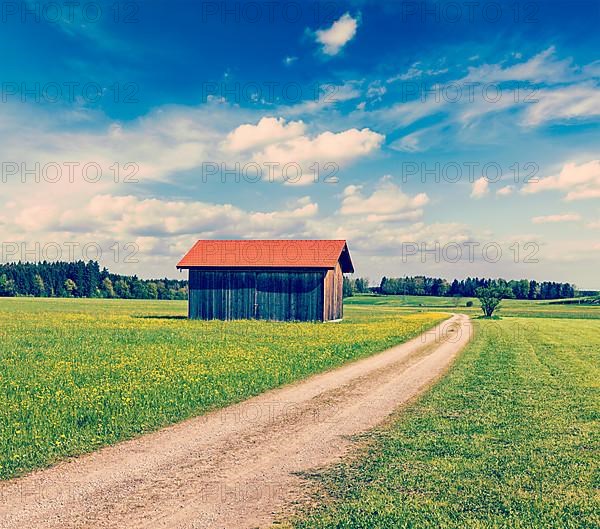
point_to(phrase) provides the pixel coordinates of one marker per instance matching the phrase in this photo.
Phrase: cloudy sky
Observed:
(447, 138)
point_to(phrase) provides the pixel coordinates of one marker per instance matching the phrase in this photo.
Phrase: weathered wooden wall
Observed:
(333, 294)
(231, 294)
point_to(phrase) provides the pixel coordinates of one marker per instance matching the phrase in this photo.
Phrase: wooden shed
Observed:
(284, 280)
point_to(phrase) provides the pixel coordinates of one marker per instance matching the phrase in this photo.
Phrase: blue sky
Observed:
(430, 119)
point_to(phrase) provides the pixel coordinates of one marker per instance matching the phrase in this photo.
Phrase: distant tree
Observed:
(534, 290)
(162, 290)
(39, 289)
(70, 287)
(122, 289)
(567, 291)
(419, 286)
(7, 286)
(490, 298)
(138, 289)
(454, 288)
(107, 288)
(382, 285)
(442, 288)
(361, 285)
(521, 289)
(152, 290)
(88, 280)
(347, 290)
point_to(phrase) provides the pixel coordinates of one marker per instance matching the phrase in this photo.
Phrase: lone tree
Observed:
(490, 298)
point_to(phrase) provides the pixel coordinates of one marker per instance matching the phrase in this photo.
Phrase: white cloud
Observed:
(474, 103)
(38, 217)
(387, 203)
(332, 93)
(563, 90)
(380, 239)
(413, 72)
(163, 142)
(505, 191)
(579, 99)
(329, 95)
(543, 67)
(268, 130)
(480, 188)
(337, 148)
(338, 35)
(576, 101)
(593, 225)
(144, 217)
(409, 143)
(564, 217)
(126, 218)
(578, 181)
(162, 230)
(376, 91)
(174, 139)
(576, 252)
(151, 234)
(405, 113)
(591, 70)
(419, 140)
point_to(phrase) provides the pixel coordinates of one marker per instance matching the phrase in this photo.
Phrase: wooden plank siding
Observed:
(278, 294)
(333, 303)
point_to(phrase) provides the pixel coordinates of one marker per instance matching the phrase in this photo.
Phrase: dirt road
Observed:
(236, 468)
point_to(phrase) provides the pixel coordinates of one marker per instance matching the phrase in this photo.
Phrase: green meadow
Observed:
(78, 374)
(509, 438)
(509, 307)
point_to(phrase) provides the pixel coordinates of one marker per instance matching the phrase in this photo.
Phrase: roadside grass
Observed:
(76, 375)
(510, 438)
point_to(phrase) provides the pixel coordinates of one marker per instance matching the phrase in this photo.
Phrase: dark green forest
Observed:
(435, 286)
(82, 280)
(87, 280)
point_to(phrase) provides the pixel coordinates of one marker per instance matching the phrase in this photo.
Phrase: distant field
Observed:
(510, 438)
(509, 307)
(79, 374)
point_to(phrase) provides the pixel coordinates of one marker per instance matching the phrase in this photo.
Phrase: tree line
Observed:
(82, 280)
(435, 286)
(87, 280)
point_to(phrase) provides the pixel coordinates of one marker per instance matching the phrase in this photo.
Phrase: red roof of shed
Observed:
(271, 254)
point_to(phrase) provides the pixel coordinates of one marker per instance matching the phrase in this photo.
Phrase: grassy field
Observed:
(79, 374)
(510, 438)
(509, 307)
